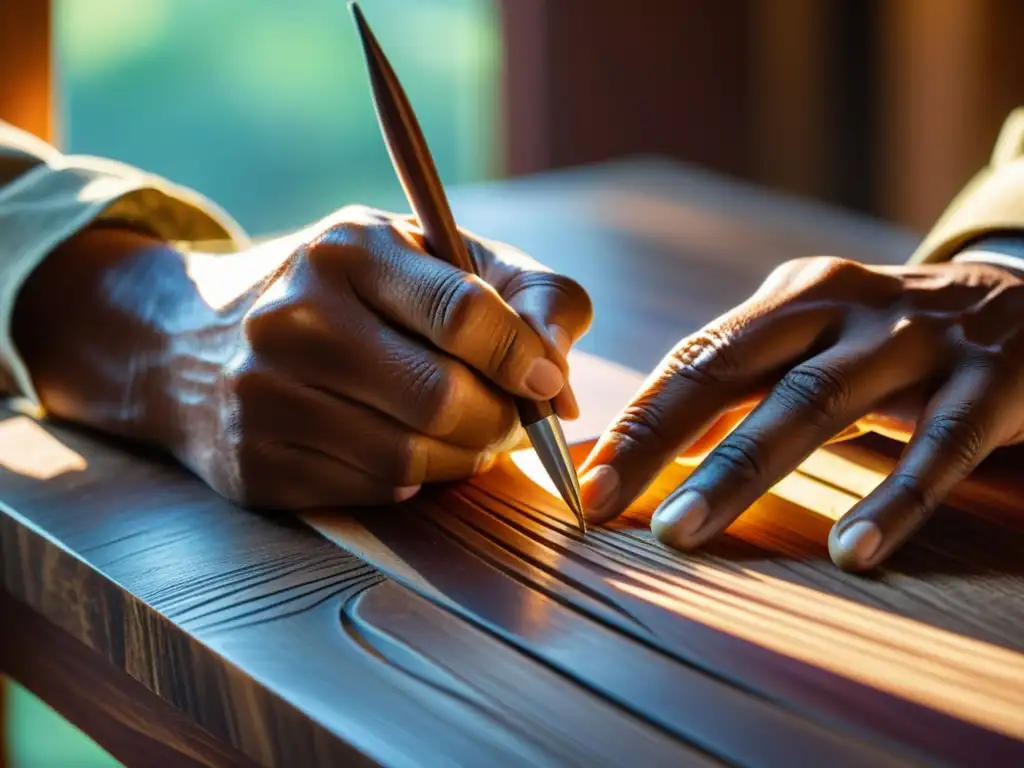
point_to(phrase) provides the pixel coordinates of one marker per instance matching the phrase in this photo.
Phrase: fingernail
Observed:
(544, 379)
(485, 463)
(406, 492)
(562, 340)
(600, 488)
(678, 519)
(860, 540)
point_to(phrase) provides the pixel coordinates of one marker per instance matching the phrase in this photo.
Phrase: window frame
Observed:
(27, 100)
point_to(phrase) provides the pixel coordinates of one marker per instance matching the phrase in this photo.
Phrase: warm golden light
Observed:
(966, 678)
(854, 477)
(27, 449)
(528, 462)
(813, 495)
(825, 484)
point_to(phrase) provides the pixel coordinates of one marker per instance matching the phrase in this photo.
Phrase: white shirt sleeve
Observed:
(998, 252)
(46, 197)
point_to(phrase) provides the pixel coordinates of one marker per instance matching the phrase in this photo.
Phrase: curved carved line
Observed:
(245, 577)
(184, 616)
(368, 637)
(263, 580)
(373, 580)
(578, 586)
(343, 583)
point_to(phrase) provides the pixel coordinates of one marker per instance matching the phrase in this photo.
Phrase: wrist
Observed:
(87, 324)
(1004, 250)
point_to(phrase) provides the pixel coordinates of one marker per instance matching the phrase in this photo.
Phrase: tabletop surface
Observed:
(472, 626)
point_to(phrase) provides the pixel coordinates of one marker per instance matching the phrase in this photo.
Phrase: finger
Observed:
(813, 402)
(731, 419)
(560, 311)
(424, 389)
(708, 373)
(725, 424)
(359, 436)
(290, 477)
(967, 419)
(457, 312)
(565, 404)
(555, 306)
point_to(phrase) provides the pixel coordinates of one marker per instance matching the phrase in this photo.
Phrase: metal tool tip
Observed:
(576, 505)
(553, 450)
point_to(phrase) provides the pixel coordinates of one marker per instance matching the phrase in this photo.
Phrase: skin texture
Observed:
(933, 355)
(341, 365)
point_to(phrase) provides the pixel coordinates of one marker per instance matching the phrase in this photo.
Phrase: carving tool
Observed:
(418, 175)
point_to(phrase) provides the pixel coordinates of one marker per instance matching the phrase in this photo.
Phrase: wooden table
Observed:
(476, 629)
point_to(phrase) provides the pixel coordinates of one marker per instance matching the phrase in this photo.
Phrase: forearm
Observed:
(118, 329)
(91, 324)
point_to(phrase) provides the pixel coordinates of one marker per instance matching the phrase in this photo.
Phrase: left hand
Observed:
(339, 365)
(936, 352)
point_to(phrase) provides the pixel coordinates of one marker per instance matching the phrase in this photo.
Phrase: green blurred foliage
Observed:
(263, 106)
(40, 739)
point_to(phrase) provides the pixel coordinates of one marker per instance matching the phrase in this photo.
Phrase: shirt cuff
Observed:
(1014, 263)
(992, 203)
(53, 201)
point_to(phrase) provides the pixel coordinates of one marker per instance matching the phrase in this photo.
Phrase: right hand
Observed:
(339, 366)
(931, 354)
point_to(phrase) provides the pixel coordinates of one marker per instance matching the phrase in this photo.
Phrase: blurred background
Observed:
(881, 106)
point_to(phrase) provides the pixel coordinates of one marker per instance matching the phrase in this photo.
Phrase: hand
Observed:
(936, 351)
(338, 366)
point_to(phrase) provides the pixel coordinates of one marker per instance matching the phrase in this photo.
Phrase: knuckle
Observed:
(350, 237)
(817, 267)
(325, 251)
(791, 268)
(259, 328)
(639, 427)
(816, 390)
(436, 392)
(800, 264)
(828, 275)
(450, 304)
(836, 268)
(246, 380)
(959, 436)
(502, 348)
(740, 456)
(354, 218)
(918, 499)
(271, 327)
(706, 358)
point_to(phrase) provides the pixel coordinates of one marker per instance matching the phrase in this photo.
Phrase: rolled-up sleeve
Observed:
(991, 204)
(46, 197)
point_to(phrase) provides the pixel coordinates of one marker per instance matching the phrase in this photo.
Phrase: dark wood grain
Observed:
(760, 614)
(96, 696)
(472, 625)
